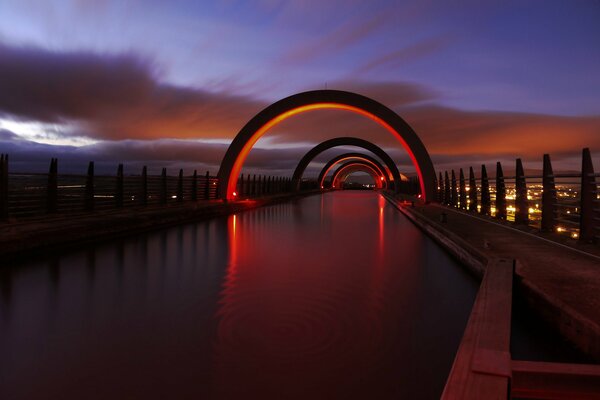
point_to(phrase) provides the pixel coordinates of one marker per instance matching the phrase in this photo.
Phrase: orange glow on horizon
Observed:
(239, 162)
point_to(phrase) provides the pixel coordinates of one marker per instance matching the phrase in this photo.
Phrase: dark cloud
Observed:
(113, 96)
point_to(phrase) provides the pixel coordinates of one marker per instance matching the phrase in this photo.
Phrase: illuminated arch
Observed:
(346, 141)
(324, 99)
(347, 169)
(352, 156)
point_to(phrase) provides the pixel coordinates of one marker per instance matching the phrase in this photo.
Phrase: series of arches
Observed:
(325, 99)
(352, 156)
(342, 173)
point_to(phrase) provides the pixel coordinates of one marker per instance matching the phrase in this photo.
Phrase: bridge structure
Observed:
(446, 204)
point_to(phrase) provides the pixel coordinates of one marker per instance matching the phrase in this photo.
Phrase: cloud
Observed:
(343, 37)
(406, 54)
(120, 100)
(113, 96)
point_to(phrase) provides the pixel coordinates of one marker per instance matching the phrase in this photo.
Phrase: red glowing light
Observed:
(381, 177)
(234, 194)
(344, 159)
(239, 162)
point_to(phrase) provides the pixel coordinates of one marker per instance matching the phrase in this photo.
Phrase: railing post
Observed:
(119, 188)
(52, 188)
(144, 188)
(486, 201)
(207, 187)
(4, 186)
(500, 192)
(588, 198)
(440, 187)
(472, 191)
(548, 196)
(254, 185)
(453, 194)
(447, 199)
(462, 190)
(194, 192)
(180, 186)
(521, 203)
(163, 186)
(89, 188)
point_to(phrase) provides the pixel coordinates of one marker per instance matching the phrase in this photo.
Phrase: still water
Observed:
(335, 296)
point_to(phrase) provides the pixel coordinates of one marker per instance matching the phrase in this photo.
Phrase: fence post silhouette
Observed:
(521, 203)
(119, 188)
(472, 191)
(453, 191)
(163, 186)
(194, 191)
(462, 190)
(180, 186)
(548, 196)
(588, 198)
(144, 188)
(52, 188)
(447, 199)
(89, 188)
(500, 192)
(486, 200)
(207, 186)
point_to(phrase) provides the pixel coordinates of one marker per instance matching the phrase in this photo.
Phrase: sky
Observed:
(170, 83)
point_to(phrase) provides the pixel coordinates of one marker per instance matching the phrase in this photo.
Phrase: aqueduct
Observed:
(281, 110)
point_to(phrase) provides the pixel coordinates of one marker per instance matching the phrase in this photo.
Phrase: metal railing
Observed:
(30, 195)
(564, 203)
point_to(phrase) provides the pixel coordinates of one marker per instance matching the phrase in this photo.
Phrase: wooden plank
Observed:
(481, 369)
(545, 380)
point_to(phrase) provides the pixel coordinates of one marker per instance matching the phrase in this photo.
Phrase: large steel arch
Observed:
(344, 171)
(352, 156)
(324, 99)
(345, 141)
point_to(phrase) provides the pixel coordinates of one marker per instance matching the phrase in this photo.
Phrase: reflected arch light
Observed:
(351, 156)
(316, 100)
(344, 171)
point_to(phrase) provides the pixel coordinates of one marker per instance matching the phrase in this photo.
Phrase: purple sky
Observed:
(172, 82)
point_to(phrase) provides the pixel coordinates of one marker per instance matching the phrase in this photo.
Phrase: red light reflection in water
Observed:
(295, 317)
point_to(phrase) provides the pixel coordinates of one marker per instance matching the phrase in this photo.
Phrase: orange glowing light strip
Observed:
(237, 166)
(344, 159)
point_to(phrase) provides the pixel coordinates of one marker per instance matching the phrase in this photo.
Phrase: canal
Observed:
(334, 296)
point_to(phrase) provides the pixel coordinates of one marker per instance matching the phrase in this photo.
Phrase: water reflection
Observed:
(334, 296)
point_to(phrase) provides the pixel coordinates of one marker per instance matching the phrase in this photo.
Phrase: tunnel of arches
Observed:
(344, 171)
(365, 158)
(324, 99)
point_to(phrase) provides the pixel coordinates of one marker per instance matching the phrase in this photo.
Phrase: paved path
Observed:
(559, 280)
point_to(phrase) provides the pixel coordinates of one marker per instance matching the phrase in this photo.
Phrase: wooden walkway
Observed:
(483, 367)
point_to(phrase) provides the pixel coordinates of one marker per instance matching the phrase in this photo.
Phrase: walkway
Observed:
(559, 281)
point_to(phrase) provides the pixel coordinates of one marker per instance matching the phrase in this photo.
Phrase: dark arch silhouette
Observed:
(324, 99)
(346, 141)
(346, 169)
(351, 156)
